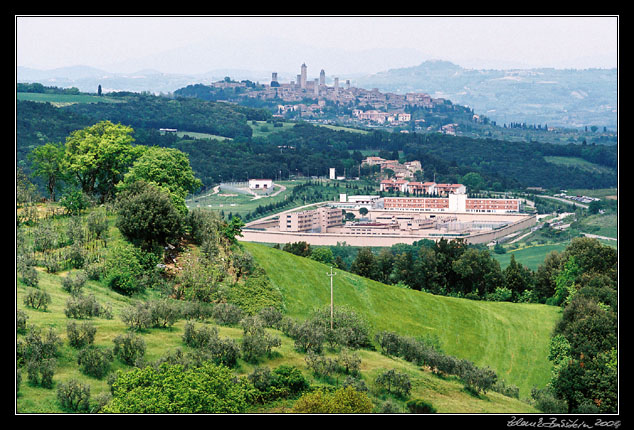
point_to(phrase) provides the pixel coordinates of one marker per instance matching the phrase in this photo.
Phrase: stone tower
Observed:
(303, 77)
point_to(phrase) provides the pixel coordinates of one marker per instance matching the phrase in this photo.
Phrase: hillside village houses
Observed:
(398, 170)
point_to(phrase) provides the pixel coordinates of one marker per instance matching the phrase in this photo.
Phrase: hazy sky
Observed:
(197, 44)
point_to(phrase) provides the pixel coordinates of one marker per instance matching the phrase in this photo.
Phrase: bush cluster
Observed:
(86, 306)
(284, 381)
(160, 313)
(422, 354)
(37, 353)
(349, 331)
(210, 346)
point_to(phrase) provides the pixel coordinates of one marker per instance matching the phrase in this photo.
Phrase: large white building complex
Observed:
(385, 221)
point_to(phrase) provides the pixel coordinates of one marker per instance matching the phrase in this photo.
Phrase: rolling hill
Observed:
(510, 338)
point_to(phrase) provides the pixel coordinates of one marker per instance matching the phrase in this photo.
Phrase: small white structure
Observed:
(260, 184)
(332, 173)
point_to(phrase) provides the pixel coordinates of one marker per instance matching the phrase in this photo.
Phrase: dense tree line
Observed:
(446, 267)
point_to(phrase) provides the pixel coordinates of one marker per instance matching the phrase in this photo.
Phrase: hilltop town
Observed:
(314, 99)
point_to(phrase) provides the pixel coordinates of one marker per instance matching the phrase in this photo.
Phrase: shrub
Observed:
(95, 271)
(53, 262)
(20, 321)
(478, 378)
(342, 401)
(164, 313)
(80, 336)
(129, 348)
(196, 310)
(308, 336)
(198, 338)
(198, 280)
(349, 329)
(222, 351)
(290, 378)
(270, 316)
(320, 365)
(356, 383)
(256, 342)
(500, 294)
(74, 396)
(226, 314)
(349, 362)
(73, 284)
(389, 342)
(507, 390)
(36, 346)
(546, 401)
(209, 346)
(37, 299)
(80, 307)
(390, 407)
(136, 317)
(283, 382)
(152, 313)
(77, 256)
(40, 372)
(30, 277)
(420, 406)
(94, 361)
(394, 382)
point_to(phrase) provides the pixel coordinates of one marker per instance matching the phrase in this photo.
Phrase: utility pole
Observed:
(331, 275)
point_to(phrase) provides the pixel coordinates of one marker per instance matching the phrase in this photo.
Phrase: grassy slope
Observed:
(511, 338)
(447, 395)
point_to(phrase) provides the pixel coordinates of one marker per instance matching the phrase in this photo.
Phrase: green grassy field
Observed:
(511, 338)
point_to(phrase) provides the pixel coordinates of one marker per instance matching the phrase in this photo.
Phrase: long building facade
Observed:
(454, 203)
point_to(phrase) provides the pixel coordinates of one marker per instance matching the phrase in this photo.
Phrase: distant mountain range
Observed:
(557, 97)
